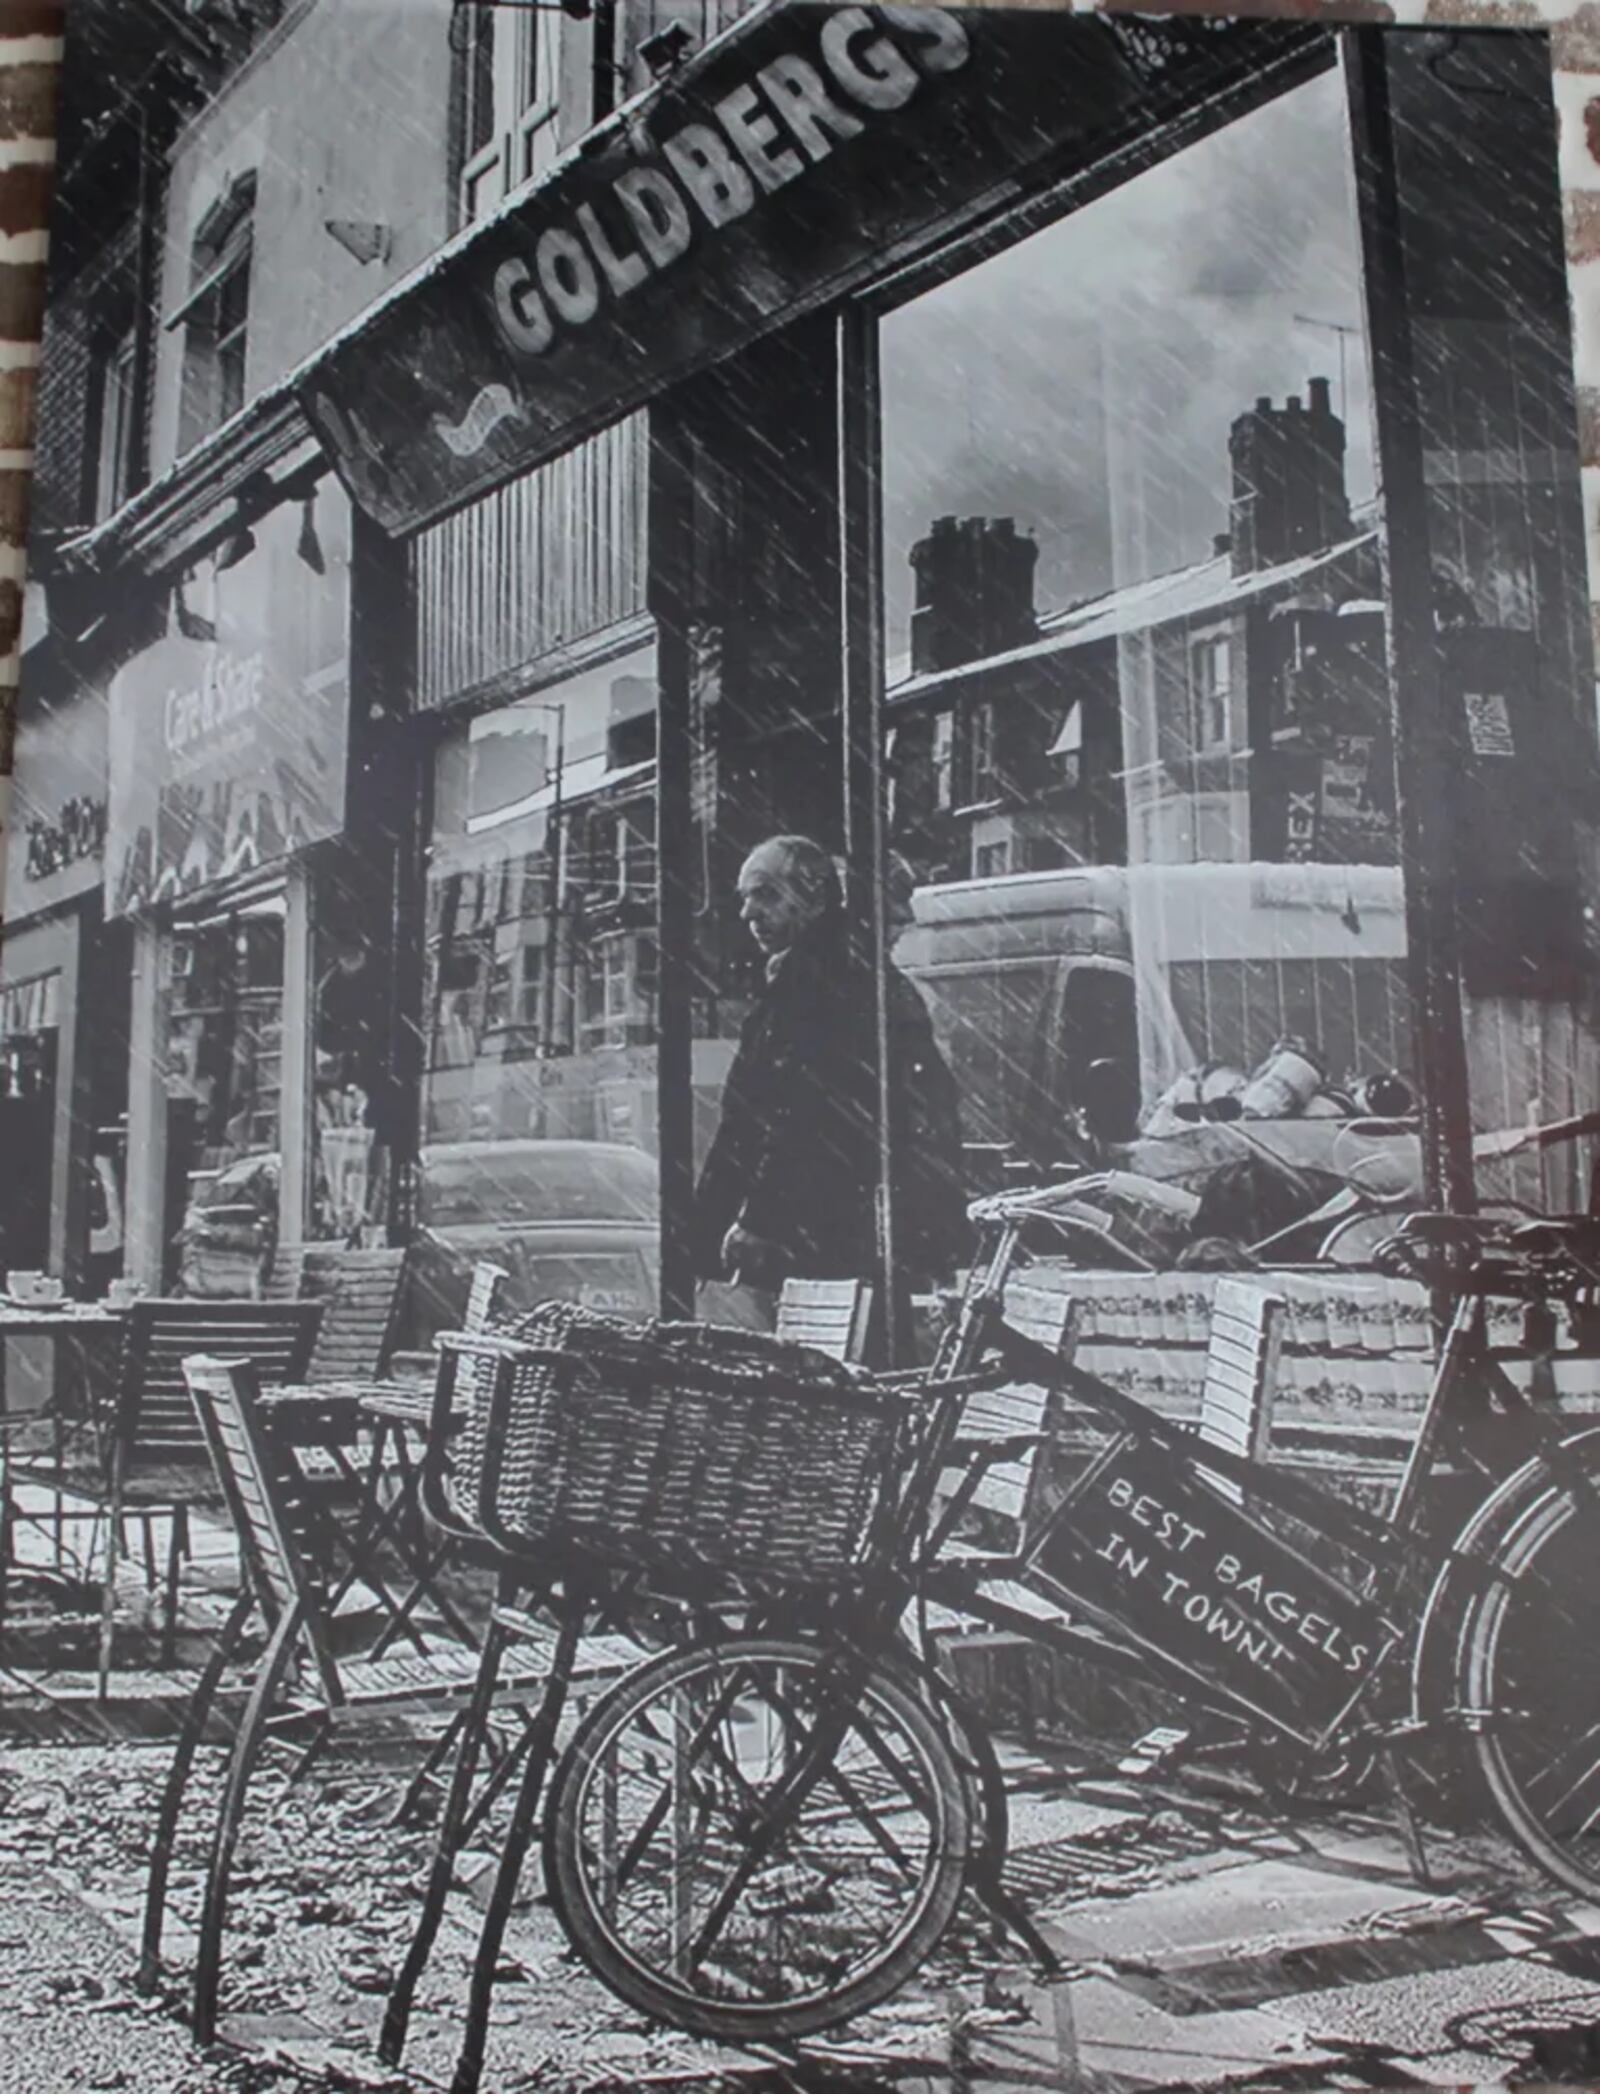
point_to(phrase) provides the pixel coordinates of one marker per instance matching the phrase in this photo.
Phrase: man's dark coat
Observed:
(795, 1156)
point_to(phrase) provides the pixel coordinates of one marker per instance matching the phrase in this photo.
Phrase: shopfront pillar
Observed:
(1489, 651)
(147, 1107)
(296, 1129)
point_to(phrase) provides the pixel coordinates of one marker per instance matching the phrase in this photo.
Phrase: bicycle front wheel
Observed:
(758, 1838)
(1527, 1688)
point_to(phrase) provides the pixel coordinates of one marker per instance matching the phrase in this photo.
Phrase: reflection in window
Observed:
(1135, 632)
(539, 1102)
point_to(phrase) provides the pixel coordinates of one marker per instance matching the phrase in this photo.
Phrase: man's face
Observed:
(774, 906)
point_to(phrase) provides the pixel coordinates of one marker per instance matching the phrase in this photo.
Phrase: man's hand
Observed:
(753, 1258)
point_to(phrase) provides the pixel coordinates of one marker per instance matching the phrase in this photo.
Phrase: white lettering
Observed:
(657, 213)
(567, 276)
(944, 34)
(796, 90)
(754, 135)
(877, 76)
(710, 173)
(623, 272)
(524, 318)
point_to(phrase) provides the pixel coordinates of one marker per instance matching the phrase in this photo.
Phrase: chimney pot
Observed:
(1264, 403)
(1294, 403)
(1320, 403)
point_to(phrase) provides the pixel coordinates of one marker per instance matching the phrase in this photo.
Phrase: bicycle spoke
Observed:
(860, 1810)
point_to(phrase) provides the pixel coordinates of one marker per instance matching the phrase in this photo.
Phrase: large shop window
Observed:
(223, 1080)
(539, 1110)
(29, 1039)
(1140, 762)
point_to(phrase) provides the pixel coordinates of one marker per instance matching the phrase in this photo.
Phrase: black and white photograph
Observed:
(800, 1056)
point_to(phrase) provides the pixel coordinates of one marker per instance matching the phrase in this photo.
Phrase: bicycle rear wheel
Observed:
(757, 1838)
(1527, 1686)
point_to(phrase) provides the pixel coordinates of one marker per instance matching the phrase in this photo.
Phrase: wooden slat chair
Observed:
(360, 1291)
(145, 1460)
(298, 1675)
(1241, 1374)
(834, 1316)
(1006, 1491)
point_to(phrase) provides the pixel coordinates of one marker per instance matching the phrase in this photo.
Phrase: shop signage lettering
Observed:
(228, 691)
(1211, 1585)
(228, 752)
(768, 132)
(789, 163)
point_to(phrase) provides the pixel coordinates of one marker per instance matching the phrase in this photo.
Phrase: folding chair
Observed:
(834, 1316)
(298, 1677)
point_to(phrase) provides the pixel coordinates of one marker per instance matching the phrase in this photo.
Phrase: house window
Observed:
(215, 316)
(510, 81)
(976, 781)
(118, 409)
(1211, 670)
(1067, 748)
(944, 754)
(991, 861)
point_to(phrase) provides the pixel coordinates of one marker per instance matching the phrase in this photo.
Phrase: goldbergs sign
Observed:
(806, 151)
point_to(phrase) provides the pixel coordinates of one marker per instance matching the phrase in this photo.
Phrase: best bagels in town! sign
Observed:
(808, 150)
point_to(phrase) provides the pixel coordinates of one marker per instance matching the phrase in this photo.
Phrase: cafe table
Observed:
(87, 1326)
(360, 1448)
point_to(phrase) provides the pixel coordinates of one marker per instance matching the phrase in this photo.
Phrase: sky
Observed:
(1084, 381)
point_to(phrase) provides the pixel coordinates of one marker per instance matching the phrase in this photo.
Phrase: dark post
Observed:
(866, 884)
(669, 539)
(1425, 760)
(1491, 658)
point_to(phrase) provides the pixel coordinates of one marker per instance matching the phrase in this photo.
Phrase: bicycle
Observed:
(766, 1832)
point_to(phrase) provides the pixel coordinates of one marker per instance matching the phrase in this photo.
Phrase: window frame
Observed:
(215, 340)
(523, 80)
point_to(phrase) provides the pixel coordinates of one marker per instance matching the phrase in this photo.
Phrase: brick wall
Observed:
(30, 49)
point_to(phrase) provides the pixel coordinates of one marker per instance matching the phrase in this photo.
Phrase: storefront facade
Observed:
(872, 436)
(63, 986)
(229, 751)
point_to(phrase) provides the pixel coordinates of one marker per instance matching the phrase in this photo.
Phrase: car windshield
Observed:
(497, 1184)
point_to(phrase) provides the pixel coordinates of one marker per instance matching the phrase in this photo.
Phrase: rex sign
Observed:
(809, 149)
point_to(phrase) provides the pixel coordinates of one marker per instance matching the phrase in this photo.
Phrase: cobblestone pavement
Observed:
(1212, 1945)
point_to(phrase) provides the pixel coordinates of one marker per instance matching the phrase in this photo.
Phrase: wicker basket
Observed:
(690, 1449)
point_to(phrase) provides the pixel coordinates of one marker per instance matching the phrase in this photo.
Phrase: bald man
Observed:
(788, 1189)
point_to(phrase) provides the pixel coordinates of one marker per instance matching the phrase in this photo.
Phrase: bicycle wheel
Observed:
(1524, 1684)
(754, 1839)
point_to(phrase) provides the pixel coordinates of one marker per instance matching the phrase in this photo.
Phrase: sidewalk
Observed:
(1212, 1946)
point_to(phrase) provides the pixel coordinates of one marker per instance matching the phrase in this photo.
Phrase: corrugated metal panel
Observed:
(557, 554)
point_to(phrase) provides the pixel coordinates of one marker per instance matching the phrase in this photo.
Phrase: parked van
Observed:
(1099, 986)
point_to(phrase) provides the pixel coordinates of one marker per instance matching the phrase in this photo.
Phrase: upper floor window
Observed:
(215, 316)
(118, 411)
(511, 77)
(1211, 673)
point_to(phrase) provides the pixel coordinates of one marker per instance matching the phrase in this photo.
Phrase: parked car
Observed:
(226, 1242)
(577, 1220)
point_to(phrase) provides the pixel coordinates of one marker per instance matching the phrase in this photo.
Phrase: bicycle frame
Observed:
(1176, 1629)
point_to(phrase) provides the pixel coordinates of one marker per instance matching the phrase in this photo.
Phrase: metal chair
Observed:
(298, 1678)
(141, 1456)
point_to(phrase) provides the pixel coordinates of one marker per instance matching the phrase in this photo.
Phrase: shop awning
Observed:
(809, 150)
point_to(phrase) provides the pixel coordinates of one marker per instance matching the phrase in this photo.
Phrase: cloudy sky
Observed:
(1084, 381)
